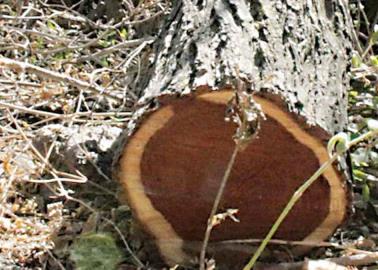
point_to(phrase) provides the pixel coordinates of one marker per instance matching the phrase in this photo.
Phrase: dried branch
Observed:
(210, 221)
(62, 116)
(123, 45)
(52, 75)
(339, 263)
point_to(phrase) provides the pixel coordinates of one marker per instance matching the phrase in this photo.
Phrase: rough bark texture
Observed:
(296, 48)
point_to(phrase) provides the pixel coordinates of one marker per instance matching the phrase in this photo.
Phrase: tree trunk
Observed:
(298, 49)
(295, 55)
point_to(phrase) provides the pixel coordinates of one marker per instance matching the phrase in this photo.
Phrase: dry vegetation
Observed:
(68, 80)
(67, 87)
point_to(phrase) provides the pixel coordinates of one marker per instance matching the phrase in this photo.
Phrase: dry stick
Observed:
(36, 152)
(89, 43)
(35, 32)
(61, 116)
(55, 259)
(85, 151)
(5, 189)
(123, 45)
(135, 53)
(370, 29)
(51, 169)
(283, 242)
(52, 75)
(348, 260)
(349, 22)
(31, 111)
(357, 259)
(22, 83)
(297, 243)
(215, 206)
(364, 16)
(298, 194)
(79, 102)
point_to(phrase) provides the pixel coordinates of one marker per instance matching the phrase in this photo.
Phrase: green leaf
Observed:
(104, 43)
(95, 251)
(354, 136)
(359, 175)
(353, 93)
(366, 192)
(104, 62)
(339, 142)
(59, 56)
(374, 37)
(40, 42)
(356, 61)
(123, 33)
(33, 59)
(375, 101)
(51, 25)
(374, 60)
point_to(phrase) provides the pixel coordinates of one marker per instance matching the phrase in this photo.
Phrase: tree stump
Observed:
(295, 54)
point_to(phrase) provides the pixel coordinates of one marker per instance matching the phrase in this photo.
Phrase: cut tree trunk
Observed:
(295, 54)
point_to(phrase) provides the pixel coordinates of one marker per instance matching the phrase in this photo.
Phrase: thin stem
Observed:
(298, 194)
(215, 207)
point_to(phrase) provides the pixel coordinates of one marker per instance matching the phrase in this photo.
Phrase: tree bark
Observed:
(298, 52)
(299, 49)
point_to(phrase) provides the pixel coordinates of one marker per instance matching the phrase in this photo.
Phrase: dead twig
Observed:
(52, 75)
(123, 45)
(62, 116)
(211, 220)
(338, 263)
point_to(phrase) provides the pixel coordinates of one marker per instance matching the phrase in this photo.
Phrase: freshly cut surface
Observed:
(172, 166)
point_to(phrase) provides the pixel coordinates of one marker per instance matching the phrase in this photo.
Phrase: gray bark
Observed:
(296, 48)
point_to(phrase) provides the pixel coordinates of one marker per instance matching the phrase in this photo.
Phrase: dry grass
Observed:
(68, 75)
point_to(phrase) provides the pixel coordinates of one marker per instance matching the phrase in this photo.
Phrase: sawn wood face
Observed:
(172, 167)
